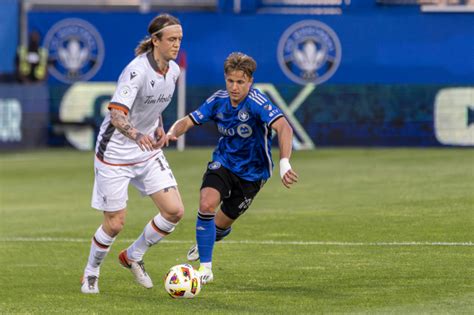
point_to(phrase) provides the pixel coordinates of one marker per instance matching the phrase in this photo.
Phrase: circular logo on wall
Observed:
(76, 50)
(309, 52)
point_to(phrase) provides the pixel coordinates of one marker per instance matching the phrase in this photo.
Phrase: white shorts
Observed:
(111, 182)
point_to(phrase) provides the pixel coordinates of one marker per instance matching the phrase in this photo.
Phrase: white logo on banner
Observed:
(454, 116)
(10, 120)
(76, 50)
(309, 52)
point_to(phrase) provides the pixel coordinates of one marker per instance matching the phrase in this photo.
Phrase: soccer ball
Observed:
(182, 282)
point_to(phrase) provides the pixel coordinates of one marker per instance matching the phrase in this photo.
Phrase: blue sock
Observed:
(205, 236)
(221, 233)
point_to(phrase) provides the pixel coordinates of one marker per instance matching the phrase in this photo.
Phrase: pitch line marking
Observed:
(263, 242)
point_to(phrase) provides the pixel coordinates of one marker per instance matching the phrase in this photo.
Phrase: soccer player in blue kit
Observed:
(242, 161)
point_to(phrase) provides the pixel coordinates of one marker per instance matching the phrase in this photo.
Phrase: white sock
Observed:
(100, 246)
(208, 265)
(153, 232)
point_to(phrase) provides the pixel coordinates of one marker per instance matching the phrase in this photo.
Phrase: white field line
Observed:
(268, 242)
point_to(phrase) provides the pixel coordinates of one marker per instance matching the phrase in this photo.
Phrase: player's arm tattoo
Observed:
(120, 121)
(168, 189)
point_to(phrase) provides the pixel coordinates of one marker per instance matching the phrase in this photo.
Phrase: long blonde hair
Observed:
(158, 23)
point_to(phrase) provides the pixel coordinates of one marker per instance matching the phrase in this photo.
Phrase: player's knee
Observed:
(114, 226)
(178, 214)
(207, 207)
(175, 214)
(117, 225)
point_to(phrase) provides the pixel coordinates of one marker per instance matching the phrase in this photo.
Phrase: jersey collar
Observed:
(153, 63)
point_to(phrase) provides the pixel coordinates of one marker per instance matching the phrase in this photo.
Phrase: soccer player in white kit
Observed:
(128, 150)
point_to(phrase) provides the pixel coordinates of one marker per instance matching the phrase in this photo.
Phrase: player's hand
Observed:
(145, 142)
(289, 178)
(160, 138)
(170, 137)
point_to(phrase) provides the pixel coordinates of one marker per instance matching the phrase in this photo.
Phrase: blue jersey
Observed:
(245, 143)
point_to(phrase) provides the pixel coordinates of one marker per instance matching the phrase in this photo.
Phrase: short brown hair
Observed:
(158, 23)
(240, 61)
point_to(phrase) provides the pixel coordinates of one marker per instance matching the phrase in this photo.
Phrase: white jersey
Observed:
(142, 92)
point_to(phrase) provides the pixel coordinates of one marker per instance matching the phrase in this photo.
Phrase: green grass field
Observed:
(364, 231)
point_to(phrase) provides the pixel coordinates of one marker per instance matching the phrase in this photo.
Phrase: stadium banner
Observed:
(382, 46)
(9, 17)
(326, 115)
(24, 116)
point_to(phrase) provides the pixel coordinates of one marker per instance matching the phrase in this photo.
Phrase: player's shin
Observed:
(153, 232)
(100, 246)
(205, 237)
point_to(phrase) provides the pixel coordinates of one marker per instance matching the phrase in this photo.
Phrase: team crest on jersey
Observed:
(243, 115)
(76, 50)
(214, 165)
(244, 130)
(125, 91)
(309, 52)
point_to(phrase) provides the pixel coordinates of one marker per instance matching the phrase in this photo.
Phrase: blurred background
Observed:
(346, 73)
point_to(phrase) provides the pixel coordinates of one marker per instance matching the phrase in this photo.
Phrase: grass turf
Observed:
(357, 234)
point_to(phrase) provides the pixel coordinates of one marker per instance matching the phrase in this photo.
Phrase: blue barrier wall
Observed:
(342, 115)
(9, 12)
(24, 116)
(399, 77)
(386, 46)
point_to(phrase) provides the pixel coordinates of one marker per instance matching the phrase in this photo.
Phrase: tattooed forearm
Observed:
(120, 121)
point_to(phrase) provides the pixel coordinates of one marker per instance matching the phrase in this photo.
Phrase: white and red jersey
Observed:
(143, 93)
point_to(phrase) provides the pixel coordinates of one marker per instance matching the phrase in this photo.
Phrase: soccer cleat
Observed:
(193, 253)
(137, 269)
(205, 274)
(90, 284)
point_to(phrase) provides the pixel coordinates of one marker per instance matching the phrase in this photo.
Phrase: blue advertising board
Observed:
(24, 116)
(379, 76)
(328, 115)
(9, 21)
(377, 46)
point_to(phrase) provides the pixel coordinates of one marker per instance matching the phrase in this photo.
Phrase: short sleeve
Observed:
(128, 85)
(206, 111)
(266, 110)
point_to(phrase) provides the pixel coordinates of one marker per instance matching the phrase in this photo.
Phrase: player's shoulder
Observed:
(219, 95)
(174, 71)
(174, 67)
(134, 70)
(138, 63)
(256, 97)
